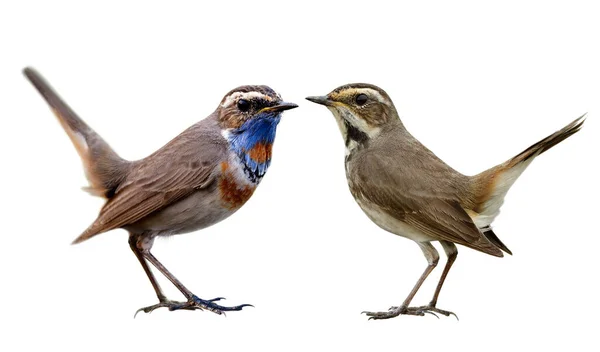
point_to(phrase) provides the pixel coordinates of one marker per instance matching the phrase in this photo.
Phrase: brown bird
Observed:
(407, 190)
(199, 178)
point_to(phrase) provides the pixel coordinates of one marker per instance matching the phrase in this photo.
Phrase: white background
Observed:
(476, 83)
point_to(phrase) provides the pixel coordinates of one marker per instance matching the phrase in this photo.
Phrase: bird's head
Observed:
(361, 110)
(248, 116)
(245, 105)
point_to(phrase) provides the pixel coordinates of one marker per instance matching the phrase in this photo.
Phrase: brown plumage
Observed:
(407, 190)
(194, 181)
(177, 171)
(104, 169)
(488, 188)
(419, 195)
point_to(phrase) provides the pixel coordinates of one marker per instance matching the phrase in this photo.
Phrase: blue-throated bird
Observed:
(407, 190)
(199, 178)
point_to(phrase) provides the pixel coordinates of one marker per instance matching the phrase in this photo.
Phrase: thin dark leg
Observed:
(432, 259)
(451, 251)
(139, 256)
(152, 259)
(142, 246)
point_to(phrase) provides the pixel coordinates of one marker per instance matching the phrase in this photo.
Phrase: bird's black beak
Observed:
(279, 107)
(323, 100)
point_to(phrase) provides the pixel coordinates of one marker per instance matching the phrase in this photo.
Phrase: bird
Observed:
(199, 178)
(405, 189)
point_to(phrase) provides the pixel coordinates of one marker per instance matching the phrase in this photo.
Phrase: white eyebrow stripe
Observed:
(373, 93)
(233, 97)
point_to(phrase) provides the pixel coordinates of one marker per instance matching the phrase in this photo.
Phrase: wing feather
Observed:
(414, 194)
(183, 166)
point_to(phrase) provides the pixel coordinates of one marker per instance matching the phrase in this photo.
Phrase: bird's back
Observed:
(158, 186)
(407, 190)
(409, 165)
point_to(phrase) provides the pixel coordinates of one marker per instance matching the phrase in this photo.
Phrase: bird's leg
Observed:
(432, 259)
(193, 302)
(138, 254)
(163, 301)
(451, 252)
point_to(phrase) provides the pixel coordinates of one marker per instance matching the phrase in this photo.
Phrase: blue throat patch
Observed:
(252, 144)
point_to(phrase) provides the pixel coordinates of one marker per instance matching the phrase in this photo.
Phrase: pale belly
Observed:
(391, 224)
(199, 210)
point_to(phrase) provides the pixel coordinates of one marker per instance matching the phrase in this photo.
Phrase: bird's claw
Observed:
(402, 310)
(198, 303)
(194, 303)
(150, 309)
(217, 299)
(431, 309)
(392, 313)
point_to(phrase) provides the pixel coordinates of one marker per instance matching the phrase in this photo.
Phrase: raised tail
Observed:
(104, 169)
(548, 142)
(489, 187)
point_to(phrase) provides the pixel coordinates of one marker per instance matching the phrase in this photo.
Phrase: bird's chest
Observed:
(351, 167)
(250, 149)
(237, 182)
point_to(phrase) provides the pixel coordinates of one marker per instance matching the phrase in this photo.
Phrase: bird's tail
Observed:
(548, 142)
(104, 169)
(490, 186)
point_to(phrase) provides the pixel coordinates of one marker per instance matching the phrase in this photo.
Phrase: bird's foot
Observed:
(396, 311)
(431, 308)
(192, 304)
(198, 303)
(163, 303)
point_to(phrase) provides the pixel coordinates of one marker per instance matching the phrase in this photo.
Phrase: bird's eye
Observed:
(243, 105)
(361, 99)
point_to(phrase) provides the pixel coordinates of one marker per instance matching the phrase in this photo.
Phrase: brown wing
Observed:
(181, 167)
(416, 194)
